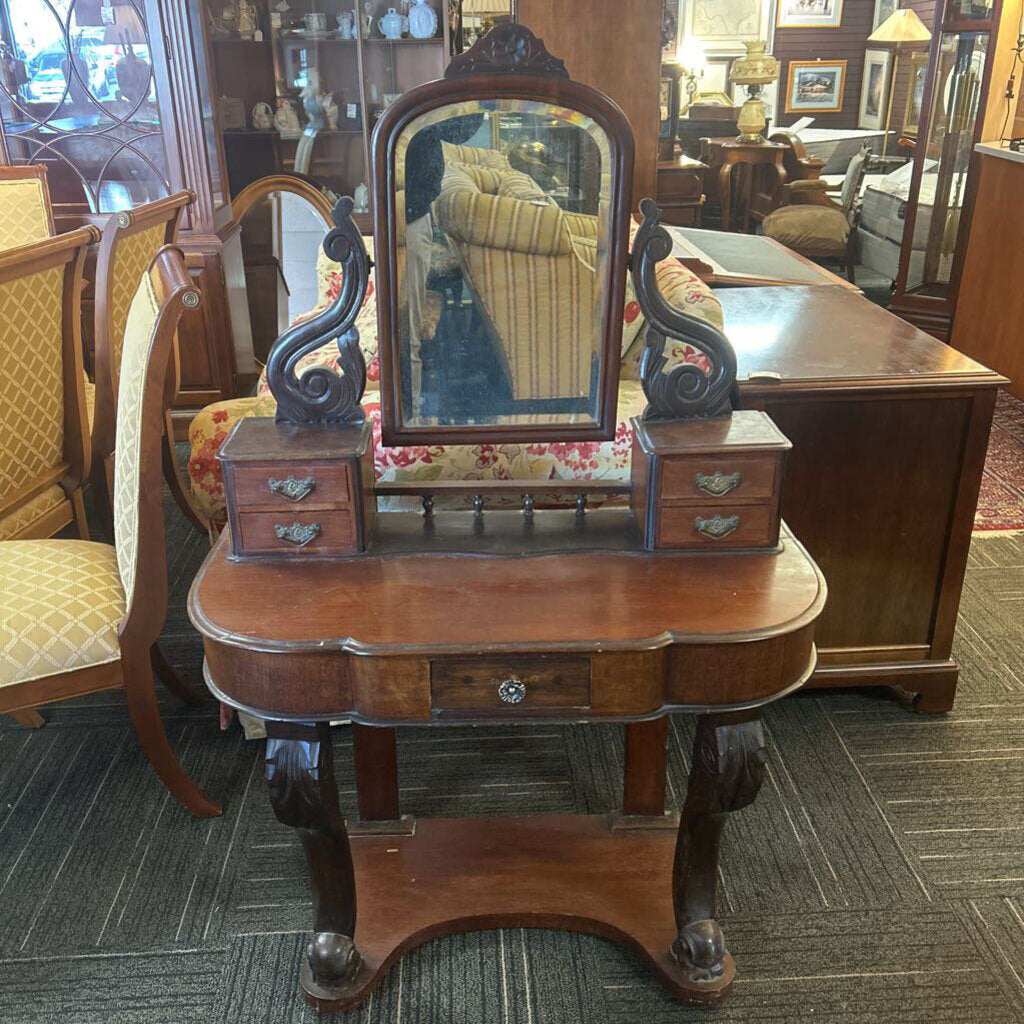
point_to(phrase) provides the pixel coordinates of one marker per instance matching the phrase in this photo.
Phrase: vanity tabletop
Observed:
(582, 600)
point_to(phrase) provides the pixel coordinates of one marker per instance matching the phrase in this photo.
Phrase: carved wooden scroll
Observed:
(685, 391)
(320, 394)
(507, 48)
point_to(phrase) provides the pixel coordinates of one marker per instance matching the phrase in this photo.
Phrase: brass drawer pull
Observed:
(512, 690)
(299, 534)
(292, 487)
(717, 526)
(717, 483)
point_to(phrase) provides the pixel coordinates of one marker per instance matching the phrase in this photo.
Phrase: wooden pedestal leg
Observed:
(304, 795)
(728, 765)
(374, 750)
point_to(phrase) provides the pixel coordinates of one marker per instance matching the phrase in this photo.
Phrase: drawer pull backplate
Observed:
(717, 483)
(299, 534)
(292, 487)
(717, 526)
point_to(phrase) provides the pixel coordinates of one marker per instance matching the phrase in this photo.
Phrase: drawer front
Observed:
(509, 684)
(290, 532)
(292, 485)
(717, 526)
(703, 478)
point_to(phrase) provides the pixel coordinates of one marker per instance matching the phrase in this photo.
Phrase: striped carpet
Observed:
(878, 878)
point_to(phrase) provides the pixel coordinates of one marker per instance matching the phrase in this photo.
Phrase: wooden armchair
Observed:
(813, 224)
(45, 456)
(77, 617)
(131, 239)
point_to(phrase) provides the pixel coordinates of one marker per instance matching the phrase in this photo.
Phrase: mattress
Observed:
(883, 256)
(837, 146)
(884, 208)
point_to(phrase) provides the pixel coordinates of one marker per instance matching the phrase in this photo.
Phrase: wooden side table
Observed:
(724, 154)
(679, 191)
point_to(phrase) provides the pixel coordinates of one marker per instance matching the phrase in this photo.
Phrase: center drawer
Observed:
(510, 683)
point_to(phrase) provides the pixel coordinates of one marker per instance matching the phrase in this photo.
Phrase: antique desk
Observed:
(889, 429)
(696, 598)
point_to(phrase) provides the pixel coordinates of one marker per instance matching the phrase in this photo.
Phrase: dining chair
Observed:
(130, 240)
(76, 616)
(45, 455)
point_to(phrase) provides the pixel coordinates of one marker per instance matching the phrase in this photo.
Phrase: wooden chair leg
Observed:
(170, 679)
(140, 690)
(78, 508)
(28, 717)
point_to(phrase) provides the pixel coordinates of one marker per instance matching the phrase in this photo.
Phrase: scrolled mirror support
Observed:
(683, 391)
(321, 395)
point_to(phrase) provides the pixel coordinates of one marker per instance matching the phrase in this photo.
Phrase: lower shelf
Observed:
(468, 874)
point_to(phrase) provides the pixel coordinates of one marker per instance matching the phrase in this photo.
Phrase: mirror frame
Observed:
(507, 63)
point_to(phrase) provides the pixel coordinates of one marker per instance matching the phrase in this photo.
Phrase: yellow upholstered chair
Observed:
(78, 617)
(813, 224)
(131, 239)
(26, 215)
(25, 211)
(44, 456)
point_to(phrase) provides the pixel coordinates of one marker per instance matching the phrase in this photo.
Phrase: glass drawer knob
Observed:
(512, 690)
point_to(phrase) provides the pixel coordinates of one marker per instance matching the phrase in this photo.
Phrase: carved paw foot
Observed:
(700, 951)
(333, 960)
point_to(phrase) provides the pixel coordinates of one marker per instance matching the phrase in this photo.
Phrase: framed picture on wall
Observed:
(915, 92)
(723, 26)
(883, 8)
(874, 89)
(809, 14)
(815, 86)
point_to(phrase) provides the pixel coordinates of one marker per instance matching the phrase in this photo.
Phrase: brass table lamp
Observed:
(754, 70)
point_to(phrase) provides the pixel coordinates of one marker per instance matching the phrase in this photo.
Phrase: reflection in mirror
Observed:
(282, 243)
(503, 220)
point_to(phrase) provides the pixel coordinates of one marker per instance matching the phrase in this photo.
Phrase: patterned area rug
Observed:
(1001, 502)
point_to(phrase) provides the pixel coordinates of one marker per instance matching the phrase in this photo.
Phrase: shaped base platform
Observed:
(468, 874)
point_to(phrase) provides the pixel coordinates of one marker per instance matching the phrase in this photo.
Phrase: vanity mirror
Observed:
(501, 251)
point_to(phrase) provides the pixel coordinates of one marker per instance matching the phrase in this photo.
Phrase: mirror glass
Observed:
(502, 211)
(282, 238)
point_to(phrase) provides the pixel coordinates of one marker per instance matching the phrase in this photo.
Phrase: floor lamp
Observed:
(902, 26)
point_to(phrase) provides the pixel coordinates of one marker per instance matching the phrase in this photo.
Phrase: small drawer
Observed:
(292, 485)
(705, 478)
(717, 526)
(290, 532)
(509, 684)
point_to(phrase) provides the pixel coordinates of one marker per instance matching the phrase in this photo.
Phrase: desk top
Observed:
(833, 338)
(584, 600)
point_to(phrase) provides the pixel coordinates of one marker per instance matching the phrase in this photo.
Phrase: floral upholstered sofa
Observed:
(580, 460)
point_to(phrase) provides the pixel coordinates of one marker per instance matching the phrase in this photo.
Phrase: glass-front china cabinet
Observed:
(941, 194)
(300, 84)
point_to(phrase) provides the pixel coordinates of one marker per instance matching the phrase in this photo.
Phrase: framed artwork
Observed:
(815, 86)
(809, 14)
(874, 89)
(723, 26)
(915, 92)
(883, 9)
